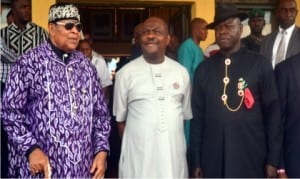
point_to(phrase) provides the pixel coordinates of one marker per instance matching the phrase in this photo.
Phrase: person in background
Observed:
(172, 48)
(9, 17)
(22, 35)
(87, 36)
(151, 100)
(236, 129)
(288, 83)
(211, 50)
(190, 55)
(136, 44)
(256, 23)
(53, 107)
(99, 62)
(286, 12)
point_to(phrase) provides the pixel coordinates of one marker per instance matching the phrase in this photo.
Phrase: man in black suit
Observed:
(288, 78)
(236, 127)
(286, 13)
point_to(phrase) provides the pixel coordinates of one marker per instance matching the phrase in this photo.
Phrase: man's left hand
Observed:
(271, 172)
(99, 165)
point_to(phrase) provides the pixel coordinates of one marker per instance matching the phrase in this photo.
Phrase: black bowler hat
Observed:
(225, 11)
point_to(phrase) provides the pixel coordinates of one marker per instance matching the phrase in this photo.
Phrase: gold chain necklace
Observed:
(241, 85)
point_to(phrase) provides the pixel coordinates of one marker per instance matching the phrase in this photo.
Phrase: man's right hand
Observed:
(197, 173)
(39, 162)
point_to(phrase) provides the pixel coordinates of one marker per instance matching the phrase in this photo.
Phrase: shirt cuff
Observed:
(31, 149)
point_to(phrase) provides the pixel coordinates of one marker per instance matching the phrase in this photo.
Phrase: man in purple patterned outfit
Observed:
(53, 110)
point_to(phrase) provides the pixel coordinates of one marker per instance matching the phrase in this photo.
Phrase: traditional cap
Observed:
(61, 11)
(256, 12)
(225, 11)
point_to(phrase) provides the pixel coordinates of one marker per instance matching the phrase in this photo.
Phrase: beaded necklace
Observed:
(240, 85)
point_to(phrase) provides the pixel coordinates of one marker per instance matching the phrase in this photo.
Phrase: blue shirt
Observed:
(190, 55)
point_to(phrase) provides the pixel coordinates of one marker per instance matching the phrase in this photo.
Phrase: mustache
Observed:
(151, 41)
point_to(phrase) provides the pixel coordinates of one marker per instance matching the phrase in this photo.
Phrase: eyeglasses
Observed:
(70, 25)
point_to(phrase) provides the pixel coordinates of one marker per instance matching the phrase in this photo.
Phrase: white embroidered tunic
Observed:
(154, 99)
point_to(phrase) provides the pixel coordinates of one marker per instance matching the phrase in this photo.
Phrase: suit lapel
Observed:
(294, 43)
(271, 45)
(295, 72)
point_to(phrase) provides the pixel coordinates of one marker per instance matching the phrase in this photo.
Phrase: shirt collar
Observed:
(61, 54)
(28, 26)
(288, 30)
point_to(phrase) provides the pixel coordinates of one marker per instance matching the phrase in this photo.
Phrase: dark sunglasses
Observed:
(70, 25)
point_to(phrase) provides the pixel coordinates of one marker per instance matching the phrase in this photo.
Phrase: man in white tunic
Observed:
(151, 100)
(99, 62)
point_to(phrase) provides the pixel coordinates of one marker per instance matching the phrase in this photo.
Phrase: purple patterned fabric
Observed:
(60, 108)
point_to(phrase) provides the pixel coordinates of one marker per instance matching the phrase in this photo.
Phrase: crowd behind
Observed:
(231, 110)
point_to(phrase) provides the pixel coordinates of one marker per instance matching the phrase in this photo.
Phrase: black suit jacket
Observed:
(288, 79)
(266, 48)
